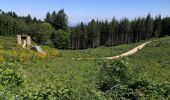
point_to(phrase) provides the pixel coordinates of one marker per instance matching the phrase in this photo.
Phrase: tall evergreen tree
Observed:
(61, 20)
(35, 19)
(149, 26)
(48, 18)
(94, 34)
(60, 39)
(83, 36)
(165, 26)
(53, 16)
(28, 18)
(157, 28)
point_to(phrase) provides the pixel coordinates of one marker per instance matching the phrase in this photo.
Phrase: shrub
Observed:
(117, 81)
(9, 76)
(60, 39)
(113, 73)
(11, 81)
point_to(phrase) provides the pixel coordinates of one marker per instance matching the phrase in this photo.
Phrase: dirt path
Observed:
(130, 52)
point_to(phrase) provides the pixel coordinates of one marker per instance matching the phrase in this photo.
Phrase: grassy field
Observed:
(98, 52)
(78, 79)
(80, 76)
(153, 62)
(57, 69)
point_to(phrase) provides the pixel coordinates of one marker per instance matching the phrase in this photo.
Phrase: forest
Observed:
(54, 30)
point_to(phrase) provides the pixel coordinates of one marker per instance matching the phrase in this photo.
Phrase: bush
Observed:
(11, 81)
(9, 75)
(117, 81)
(113, 73)
(60, 39)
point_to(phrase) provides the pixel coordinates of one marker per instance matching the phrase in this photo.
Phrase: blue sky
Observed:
(85, 10)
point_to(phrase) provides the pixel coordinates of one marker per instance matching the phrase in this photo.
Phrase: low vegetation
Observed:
(118, 81)
(10, 51)
(144, 75)
(99, 52)
(153, 62)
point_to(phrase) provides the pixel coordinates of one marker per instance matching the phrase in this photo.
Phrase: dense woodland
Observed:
(54, 30)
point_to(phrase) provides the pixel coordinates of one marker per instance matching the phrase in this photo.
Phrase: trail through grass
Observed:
(98, 52)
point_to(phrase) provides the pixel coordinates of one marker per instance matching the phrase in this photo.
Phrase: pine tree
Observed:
(60, 39)
(149, 26)
(94, 34)
(28, 18)
(48, 18)
(53, 16)
(157, 28)
(61, 20)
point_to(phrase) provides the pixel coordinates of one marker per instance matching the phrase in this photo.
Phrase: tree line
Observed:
(109, 33)
(54, 30)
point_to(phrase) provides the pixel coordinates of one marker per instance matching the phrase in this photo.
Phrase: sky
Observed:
(85, 10)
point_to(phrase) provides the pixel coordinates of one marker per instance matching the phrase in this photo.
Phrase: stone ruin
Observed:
(21, 41)
(25, 40)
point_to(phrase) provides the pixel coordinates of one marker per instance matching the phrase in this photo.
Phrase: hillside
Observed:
(98, 52)
(10, 51)
(153, 62)
(59, 76)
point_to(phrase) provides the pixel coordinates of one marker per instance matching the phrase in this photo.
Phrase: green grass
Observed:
(80, 76)
(98, 52)
(7, 43)
(153, 61)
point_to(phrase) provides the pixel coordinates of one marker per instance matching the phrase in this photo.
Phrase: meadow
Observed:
(98, 52)
(58, 76)
(153, 62)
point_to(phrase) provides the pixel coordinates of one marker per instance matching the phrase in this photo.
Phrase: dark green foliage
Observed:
(118, 81)
(48, 18)
(149, 27)
(157, 28)
(61, 21)
(94, 34)
(124, 30)
(11, 80)
(58, 20)
(165, 26)
(28, 18)
(60, 39)
(9, 26)
(104, 33)
(79, 37)
(144, 89)
(44, 34)
(114, 73)
(9, 76)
